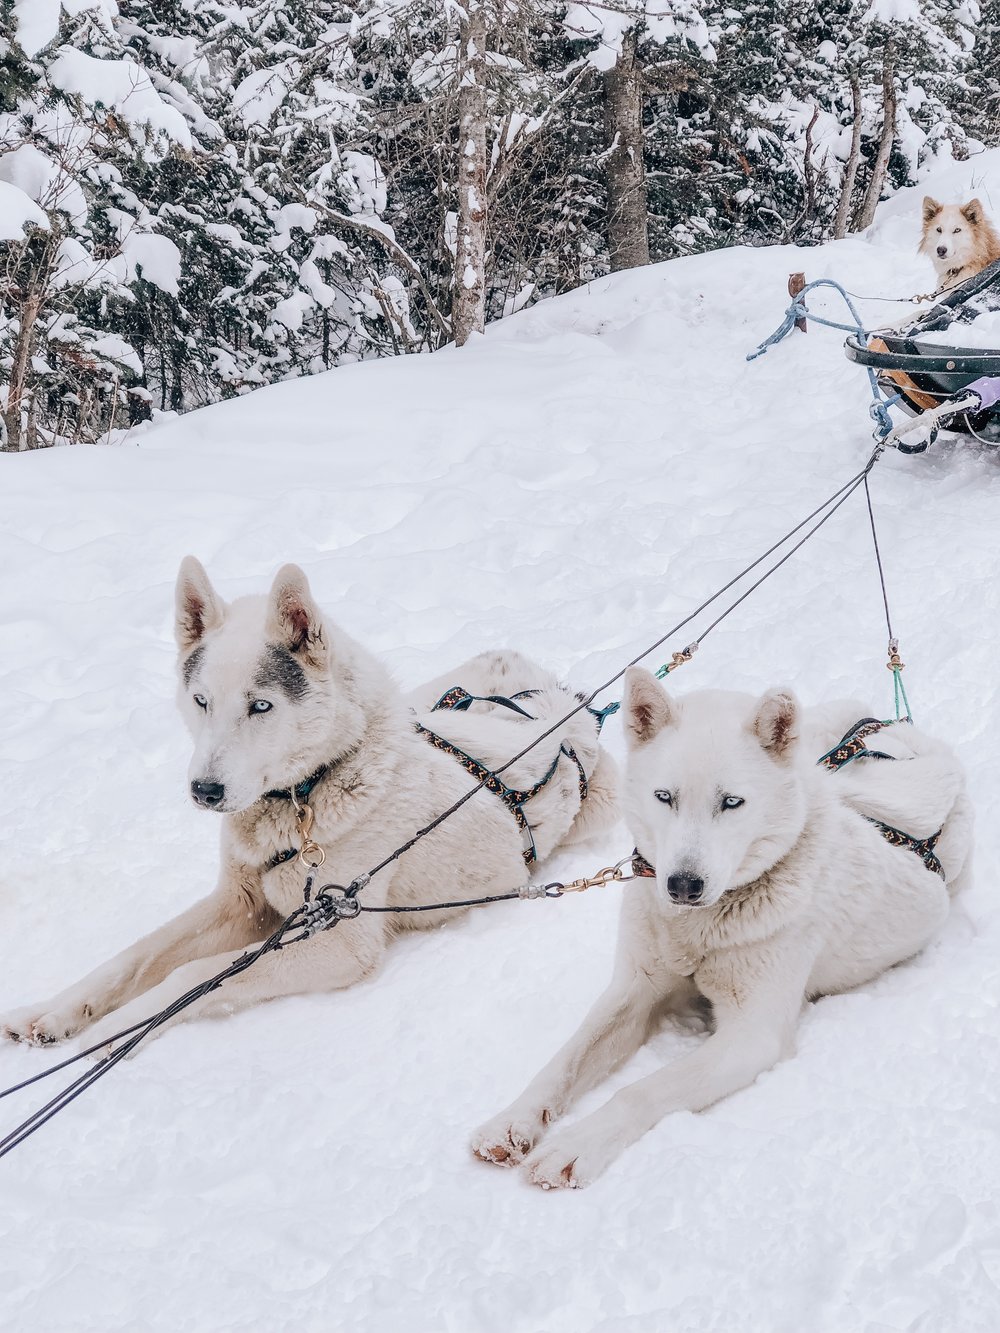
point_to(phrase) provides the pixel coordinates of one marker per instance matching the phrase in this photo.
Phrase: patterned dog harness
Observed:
(852, 747)
(458, 699)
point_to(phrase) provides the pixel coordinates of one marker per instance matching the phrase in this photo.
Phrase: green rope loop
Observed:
(899, 691)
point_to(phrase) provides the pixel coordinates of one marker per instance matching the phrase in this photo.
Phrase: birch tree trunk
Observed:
(18, 384)
(625, 168)
(872, 195)
(851, 170)
(469, 302)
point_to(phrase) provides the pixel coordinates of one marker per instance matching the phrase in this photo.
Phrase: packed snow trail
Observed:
(572, 483)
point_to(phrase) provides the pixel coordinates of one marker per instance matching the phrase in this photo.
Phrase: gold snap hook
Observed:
(606, 876)
(311, 854)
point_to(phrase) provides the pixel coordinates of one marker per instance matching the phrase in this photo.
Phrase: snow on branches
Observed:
(196, 200)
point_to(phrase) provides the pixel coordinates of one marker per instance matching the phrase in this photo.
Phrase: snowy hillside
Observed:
(571, 484)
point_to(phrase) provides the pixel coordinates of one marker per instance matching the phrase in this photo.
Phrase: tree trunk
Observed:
(872, 195)
(469, 301)
(17, 385)
(851, 170)
(628, 236)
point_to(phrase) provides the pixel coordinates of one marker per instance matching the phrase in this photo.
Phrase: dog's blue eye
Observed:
(664, 796)
(261, 706)
(201, 701)
(732, 802)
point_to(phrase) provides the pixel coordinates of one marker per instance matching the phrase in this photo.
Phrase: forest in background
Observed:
(199, 197)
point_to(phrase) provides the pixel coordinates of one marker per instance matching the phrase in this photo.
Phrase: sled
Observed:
(925, 377)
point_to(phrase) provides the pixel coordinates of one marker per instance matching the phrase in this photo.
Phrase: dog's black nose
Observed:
(685, 888)
(209, 794)
(942, 251)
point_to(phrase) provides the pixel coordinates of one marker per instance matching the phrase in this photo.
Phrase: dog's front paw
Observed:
(507, 1139)
(572, 1160)
(43, 1029)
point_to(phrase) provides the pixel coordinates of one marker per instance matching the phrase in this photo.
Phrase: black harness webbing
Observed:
(852, 747)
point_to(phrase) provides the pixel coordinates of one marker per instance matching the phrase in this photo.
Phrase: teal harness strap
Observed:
(303, 791)
(570, 753)
(925, 848)
(459, 699)
(852, 746)
(899, 695)
(513, 800)
(601, 715)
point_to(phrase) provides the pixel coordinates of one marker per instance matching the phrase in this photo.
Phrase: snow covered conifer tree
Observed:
(79, 117)
(198, 199)
(622, 40)
(503, 92)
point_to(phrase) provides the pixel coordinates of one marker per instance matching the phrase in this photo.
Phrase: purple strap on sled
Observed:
(988, 389)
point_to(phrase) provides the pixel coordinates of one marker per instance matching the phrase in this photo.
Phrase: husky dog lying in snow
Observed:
(772, 885)
(959, 240)
(278, 698)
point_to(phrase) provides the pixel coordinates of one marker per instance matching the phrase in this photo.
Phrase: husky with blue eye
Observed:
(287, 710)
(766, 879)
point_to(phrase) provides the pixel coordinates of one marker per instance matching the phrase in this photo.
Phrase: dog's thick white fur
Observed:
(798, 895)
(958, 239)
(272, 691)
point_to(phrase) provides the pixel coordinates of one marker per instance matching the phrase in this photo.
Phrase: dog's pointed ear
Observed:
(647, 707)
(931, 208)
(973, 212)
(293, 619)
(199, 606)
(776, 722)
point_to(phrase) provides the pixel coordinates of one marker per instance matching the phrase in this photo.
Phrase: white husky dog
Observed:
(278, 700)
(958, 239)
(772, 885)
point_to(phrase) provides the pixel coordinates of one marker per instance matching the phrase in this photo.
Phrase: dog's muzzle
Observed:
(685, 889)
(208, 794)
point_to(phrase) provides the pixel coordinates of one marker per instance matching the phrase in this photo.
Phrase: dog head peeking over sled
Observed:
(959, 240)
(256, 688)
(713, 786)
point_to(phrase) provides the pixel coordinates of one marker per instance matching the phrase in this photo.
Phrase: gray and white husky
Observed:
(768, 882)
(278, 699)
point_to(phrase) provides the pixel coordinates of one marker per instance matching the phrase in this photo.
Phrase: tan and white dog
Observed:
(772, 885)
(275, 696)
(958, 239)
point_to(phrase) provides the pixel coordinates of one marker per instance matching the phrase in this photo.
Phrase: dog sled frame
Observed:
(921, 376)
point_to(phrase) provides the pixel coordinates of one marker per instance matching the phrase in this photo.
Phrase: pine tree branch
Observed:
(391, 247)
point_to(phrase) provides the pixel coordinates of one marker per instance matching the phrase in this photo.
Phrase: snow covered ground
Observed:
(571, 484)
